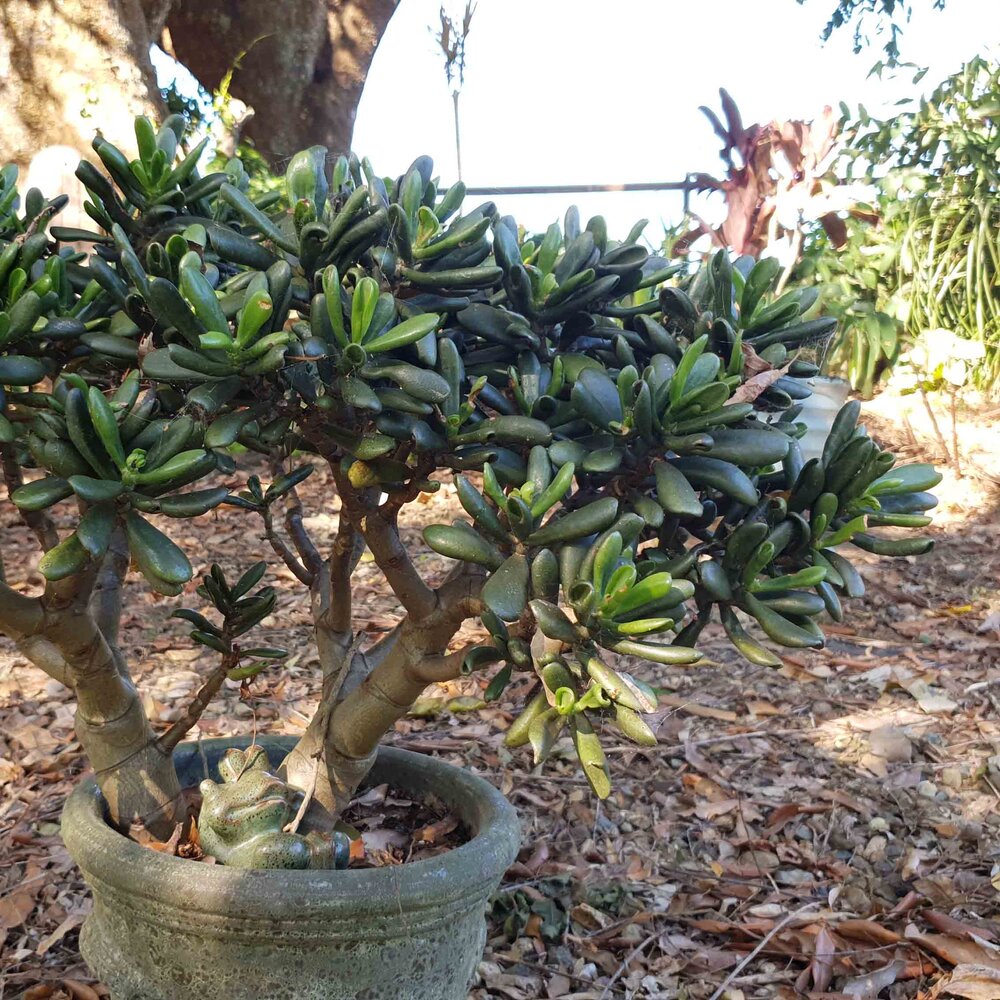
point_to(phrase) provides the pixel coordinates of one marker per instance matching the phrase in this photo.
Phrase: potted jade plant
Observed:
(623, 439)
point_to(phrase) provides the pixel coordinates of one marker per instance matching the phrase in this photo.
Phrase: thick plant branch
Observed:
(38, 521)
(21, 620)
(19, 613)
(363, 663)
(382, 538)
(335, 609)
(394, 561)
(359, 722)
(345, 736)
(199, 703)
(106, 599)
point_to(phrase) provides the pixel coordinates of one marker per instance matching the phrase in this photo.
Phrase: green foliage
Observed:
(886, 13)
(634, 426)
(925, 256)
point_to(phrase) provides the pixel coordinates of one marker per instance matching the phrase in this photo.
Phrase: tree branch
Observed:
(389, 553)
(284, 552)
(304, 545)
(201, 701)
(348, 548)
(106, 599)
(22, 620)
(19, 613)
(38, 521)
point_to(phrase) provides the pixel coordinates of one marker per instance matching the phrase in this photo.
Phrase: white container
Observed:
(818, 412)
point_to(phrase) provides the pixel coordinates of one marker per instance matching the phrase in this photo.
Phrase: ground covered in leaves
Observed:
(828, 830)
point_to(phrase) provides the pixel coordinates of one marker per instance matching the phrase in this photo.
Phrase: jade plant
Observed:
(621, 434)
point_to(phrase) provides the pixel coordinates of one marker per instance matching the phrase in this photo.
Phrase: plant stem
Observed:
(793, 260)
(196, 709)
(458, 136)
(954, 434)
(934, 424)
(106, 600)
(43, 528)
(283, 551)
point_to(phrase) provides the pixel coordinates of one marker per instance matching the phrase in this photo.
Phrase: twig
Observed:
(305, 546)
(620, 971)
(954, 435)
(306, 799)
(982, 686)
(781, 925)
(937, 429)
(673, 748)
(283, 551)
(194, 711)
(38, 521)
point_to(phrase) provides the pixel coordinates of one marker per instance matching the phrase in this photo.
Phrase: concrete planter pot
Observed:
(168, 929)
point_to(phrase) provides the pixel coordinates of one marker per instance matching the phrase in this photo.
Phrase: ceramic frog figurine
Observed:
(242, 820)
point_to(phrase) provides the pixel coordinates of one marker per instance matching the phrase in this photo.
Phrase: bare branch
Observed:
(200, 702)
(38, 521)
(44, 655)
(284, 552)
(296, 529)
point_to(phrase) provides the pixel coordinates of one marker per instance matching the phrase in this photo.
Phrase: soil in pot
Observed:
(386, 824)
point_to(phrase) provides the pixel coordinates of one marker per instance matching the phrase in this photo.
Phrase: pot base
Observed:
(164, 928)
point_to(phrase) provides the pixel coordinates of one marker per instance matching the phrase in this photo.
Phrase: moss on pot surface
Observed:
(165, 928)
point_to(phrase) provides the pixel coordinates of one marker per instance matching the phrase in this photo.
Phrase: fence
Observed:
(686, 186)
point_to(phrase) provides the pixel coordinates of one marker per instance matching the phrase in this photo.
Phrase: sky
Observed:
(577, 91)
(581, 91)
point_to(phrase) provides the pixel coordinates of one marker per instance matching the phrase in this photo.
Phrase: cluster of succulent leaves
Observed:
(634, 425)
(240, 611)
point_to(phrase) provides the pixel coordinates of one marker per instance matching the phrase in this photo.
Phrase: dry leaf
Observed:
(16, 908)
(589, 917)
(868, 987)
(753, 363)
(80, 991)
(973, 982)
(755, 385)
(70, 923)
(434, 832)
(822, 963)
(693, 708)
(957, 951)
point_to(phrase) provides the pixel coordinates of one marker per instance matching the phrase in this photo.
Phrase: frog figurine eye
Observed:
(243, 818)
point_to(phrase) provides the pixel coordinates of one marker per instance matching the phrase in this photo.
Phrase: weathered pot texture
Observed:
(164, 928)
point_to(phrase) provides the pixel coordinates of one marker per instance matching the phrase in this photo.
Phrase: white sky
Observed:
(582, 91)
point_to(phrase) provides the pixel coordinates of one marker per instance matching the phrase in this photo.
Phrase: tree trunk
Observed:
(302, 63)
(70, 67)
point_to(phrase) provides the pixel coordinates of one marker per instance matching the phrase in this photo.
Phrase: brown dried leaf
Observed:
(16, 908)
(957, 951)
(434, 832)
(973, 982)
(753, 363)
(755, 385)
(821, 966)
(869, 986)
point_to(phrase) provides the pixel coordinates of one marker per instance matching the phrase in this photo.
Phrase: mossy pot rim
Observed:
(121, 864)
